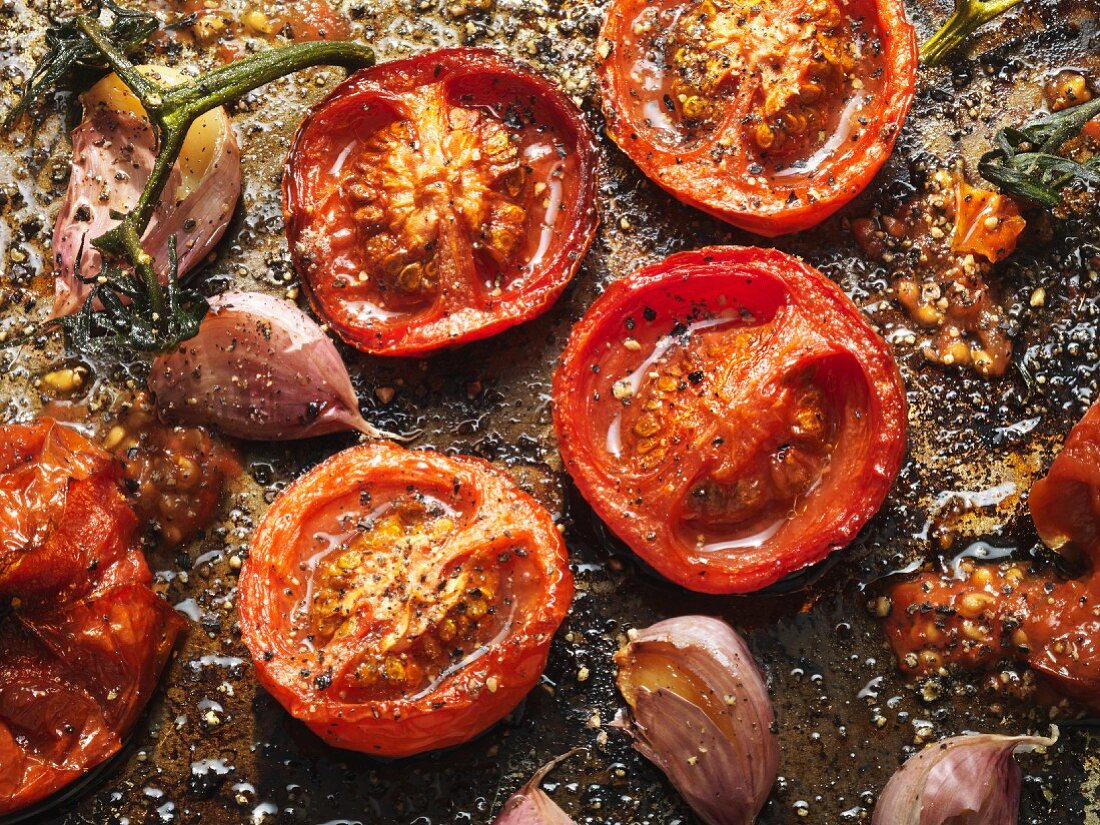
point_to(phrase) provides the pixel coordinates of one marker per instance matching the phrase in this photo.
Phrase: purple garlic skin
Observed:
(699, 710)
(114, 148)
(971, 779)
(259, 368)
(531, 806)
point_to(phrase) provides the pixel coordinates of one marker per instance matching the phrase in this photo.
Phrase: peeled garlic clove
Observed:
(964, 778)
(531, 806)
(259, 368)
(700, 712)
(114, 149)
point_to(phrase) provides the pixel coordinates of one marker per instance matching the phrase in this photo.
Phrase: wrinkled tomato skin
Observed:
(408, 92)
(1065, 504)
(718, 177)
(459, 705)
(814, 324)
(84, 637)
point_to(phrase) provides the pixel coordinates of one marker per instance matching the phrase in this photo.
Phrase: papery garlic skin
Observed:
(259, 368)
(963, 778)
(531, 806)
(114, 149)
(700, 712)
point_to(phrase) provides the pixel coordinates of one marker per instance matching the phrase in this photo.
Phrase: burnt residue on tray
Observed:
(213, 747)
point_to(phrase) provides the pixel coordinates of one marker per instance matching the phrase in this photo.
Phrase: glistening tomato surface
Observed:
(399, 601)
(83, 636)
(439, 199)
(770, 116)
(730, 415)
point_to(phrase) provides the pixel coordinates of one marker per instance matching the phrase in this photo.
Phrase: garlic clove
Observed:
(259, 368)
(700, 712)
(531, 806)
(963, 778)
(114, 149)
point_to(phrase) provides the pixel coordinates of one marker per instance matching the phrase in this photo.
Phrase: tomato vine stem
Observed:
(969, 15)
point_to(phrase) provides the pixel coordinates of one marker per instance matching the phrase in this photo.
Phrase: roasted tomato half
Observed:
(439, 199)
(979, 616)
(399, 601)
(83, 638)
(768, 115)
(730, 415)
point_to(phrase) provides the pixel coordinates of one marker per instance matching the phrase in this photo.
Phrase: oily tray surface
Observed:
(215, 747)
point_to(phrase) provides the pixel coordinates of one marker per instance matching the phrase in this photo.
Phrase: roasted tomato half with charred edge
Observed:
(439, 199)
(770, 116)
(730, 415)
(84, 638)
(400, 601)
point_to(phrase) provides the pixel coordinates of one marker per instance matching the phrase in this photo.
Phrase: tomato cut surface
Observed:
(769, 116)
(399, 601)
(730, 415)
(439, 199)
(83, 636)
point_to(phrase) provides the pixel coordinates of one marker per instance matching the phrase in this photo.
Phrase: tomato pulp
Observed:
(992, 613)
(84, 637)
(769, 116)
(400, 601)
(439, 199)
(730, 415)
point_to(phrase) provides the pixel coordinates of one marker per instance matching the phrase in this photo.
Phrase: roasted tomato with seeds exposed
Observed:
(769, 116)
(439, 199)
(730, 415)
(401, 601)
(83, 636)
(982, 615)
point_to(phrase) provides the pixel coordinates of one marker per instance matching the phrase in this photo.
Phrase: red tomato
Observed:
(84, 637)
(986, 223)
(1066, 503)
(769, 116)
(399, 601)
(438, 200)
(730, 415)
(993, 613)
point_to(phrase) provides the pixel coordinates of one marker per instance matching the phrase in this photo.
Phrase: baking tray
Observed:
(214, 747)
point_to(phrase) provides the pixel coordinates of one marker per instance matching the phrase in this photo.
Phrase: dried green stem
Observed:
(969, 15)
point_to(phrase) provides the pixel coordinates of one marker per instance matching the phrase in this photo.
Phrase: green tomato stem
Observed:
(969, 15)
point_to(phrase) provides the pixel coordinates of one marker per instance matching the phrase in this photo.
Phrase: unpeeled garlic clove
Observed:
(259, 368)
(700, 712)
(963, 778)
(114, 149)
(531, 806)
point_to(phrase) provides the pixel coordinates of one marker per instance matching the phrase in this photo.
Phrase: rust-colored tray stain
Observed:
(216, 748)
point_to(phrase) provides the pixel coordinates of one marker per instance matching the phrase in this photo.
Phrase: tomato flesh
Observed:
(993, 613)
(769, 116)
(729, 414)
(84, 637)
(1066, 503)
(439, 199)
(406, 602)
